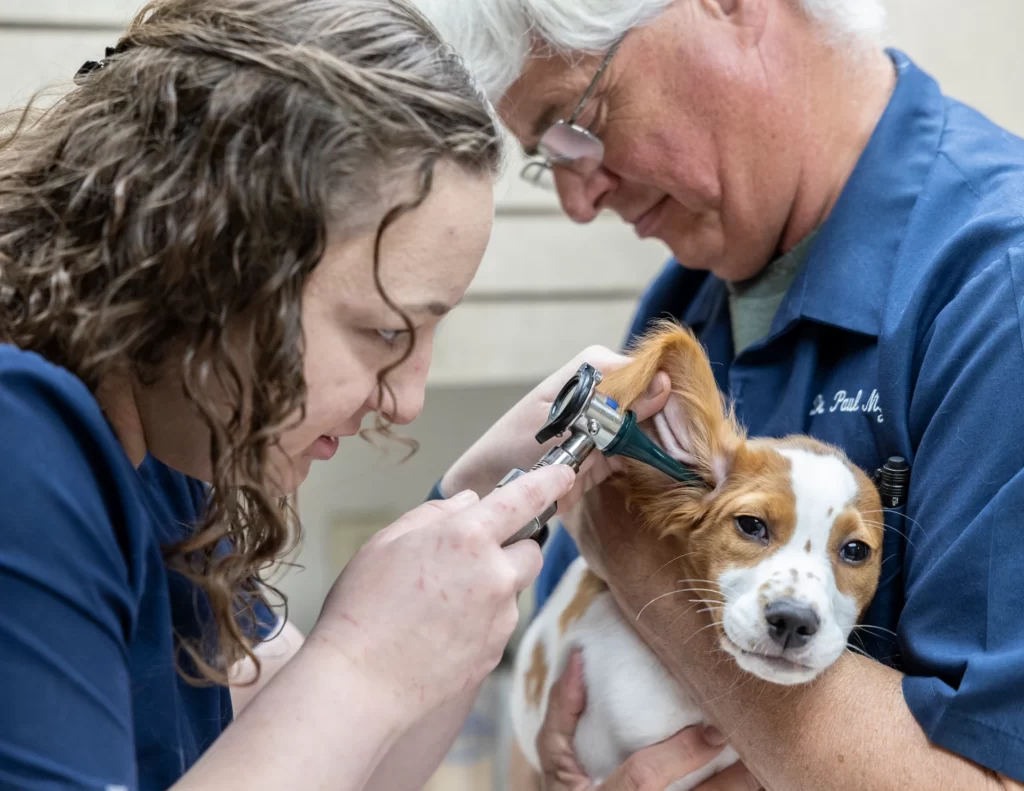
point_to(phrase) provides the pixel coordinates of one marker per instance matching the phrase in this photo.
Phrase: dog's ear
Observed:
(695, 427)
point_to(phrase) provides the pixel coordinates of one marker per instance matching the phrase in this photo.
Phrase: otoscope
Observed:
(593, 420)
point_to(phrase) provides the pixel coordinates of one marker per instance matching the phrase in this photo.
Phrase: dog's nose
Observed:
(790, 623)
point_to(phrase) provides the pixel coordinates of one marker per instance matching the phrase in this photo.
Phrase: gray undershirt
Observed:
(753, 303)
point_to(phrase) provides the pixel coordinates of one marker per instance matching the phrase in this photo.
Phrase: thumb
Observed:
(655, 397)
(555, 742)
(430, 512)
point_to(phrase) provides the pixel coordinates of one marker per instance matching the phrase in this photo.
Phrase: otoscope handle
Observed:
(572, 453)
(536, 528)
(630, 441)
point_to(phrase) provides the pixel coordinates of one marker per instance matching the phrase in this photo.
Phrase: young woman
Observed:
(225, 247)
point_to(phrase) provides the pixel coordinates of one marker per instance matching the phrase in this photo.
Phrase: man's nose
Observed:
(791, 624)
(584, 196)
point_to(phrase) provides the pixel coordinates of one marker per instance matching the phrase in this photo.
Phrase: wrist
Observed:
(342, 667)
(286, 737)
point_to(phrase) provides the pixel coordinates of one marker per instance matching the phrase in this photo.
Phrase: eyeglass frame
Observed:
(543, 163)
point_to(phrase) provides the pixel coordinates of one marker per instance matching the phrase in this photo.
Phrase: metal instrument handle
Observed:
(572, 453)
(535, 526)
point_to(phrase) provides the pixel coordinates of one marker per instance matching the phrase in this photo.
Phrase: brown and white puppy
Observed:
(781, 542)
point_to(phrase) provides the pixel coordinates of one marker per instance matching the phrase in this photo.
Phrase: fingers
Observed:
(736, 778)
(566, 701)
(660, 765)
(526, 559)
(430, 512)
(509, 508)
(568, 698)
(655, 398)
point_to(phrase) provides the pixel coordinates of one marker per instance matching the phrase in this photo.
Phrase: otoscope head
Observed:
(595, 419)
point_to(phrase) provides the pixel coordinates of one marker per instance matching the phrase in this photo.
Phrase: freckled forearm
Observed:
(418, 753)
(846, 731)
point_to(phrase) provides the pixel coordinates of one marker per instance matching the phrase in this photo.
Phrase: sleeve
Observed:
(68, 608)
(961, 630)
(258, 621)
(435, 492)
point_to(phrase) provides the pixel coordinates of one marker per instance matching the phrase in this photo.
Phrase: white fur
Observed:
(494, 36)
(632, 702)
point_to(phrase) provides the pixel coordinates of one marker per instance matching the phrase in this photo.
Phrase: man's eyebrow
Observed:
(544, 120)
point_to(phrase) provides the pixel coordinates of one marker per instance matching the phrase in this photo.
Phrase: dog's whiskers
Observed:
(678, 557)
(673, 593)
(913, 521)
(866, 626)
(710, 625)
(709, 582)
(736, 686)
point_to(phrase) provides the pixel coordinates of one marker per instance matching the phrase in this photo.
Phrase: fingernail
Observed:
(713, 736)
(464, 497)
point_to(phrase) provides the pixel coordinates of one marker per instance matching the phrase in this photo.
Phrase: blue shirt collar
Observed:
(846, 278)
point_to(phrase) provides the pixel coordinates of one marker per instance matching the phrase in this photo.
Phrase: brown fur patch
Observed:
(590, 587)
(860, 521)
(807, 547)
(536, 676)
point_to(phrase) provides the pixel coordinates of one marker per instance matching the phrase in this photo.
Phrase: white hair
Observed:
(495, 36)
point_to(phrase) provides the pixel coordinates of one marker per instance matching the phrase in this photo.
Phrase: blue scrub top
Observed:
(90, 697)
(903, 336)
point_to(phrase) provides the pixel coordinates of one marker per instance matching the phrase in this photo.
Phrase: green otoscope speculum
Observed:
(593, 421)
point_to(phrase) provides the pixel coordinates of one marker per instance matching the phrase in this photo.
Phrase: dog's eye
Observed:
(856, 552)
(753, 527)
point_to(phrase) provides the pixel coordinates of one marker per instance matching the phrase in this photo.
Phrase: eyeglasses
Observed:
(566, 145)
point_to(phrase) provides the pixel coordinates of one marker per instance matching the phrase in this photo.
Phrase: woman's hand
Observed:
(510, 442)
(426, 607)
(652, 769)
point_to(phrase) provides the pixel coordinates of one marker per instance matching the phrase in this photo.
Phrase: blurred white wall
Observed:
(547, 288)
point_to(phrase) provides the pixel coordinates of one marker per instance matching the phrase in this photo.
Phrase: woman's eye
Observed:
(390, 337)
(752, 527)
(855, 552)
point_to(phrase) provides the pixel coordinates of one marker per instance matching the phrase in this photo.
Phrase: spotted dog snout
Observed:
(791, 624)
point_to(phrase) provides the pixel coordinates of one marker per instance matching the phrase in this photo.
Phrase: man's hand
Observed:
(652, 769)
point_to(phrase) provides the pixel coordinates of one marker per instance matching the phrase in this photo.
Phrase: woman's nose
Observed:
(583, 196)
(401, 395)
(409, 403)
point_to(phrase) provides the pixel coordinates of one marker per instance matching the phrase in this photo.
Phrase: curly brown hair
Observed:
(179, 197)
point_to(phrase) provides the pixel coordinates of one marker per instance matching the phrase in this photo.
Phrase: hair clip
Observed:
(93, 65)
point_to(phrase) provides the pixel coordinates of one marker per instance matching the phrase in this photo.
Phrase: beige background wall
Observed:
(547, 287)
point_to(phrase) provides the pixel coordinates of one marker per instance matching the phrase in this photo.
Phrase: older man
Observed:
(849, 246)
